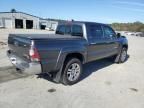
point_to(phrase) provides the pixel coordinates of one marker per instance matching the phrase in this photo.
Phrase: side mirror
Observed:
(118, 35)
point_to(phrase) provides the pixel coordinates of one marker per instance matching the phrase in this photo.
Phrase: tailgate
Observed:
(19, 46)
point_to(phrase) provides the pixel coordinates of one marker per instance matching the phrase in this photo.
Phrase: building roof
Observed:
(32, 16)
(22, 13)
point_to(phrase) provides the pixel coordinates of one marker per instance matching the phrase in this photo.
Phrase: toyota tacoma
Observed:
(63, 54)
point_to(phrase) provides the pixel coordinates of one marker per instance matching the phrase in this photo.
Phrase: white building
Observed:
(48, 24)
(22, 20)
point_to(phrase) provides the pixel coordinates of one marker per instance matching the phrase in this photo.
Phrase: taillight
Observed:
(33, 53)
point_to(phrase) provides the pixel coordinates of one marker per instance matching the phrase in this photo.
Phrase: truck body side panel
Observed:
(53, 52)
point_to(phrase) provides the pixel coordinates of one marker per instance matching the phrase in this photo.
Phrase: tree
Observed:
(13, 10)
(134, 27)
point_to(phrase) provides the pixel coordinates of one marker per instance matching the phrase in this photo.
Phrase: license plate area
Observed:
(13, 60)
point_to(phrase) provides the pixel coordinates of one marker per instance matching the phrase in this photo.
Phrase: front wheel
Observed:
(72, 71)
(122, 57)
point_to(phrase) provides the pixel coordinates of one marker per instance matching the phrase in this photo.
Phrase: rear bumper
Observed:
(25, 67)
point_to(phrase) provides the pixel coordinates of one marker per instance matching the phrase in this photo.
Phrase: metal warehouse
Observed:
(20, 20)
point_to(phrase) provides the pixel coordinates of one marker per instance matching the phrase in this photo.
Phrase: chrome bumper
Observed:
(25, 67)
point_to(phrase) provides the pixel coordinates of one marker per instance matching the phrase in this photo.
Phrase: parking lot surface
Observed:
(104, 84)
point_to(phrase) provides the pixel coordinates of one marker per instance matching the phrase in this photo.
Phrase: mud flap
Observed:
(57, 76)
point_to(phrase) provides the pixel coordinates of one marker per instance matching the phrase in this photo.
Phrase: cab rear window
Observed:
(77, 30)
(73, 30)
(61, 29)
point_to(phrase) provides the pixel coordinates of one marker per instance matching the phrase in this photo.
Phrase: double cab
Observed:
(63, 54)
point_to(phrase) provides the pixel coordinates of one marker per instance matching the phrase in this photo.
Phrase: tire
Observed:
(72, 71)
(122, 57)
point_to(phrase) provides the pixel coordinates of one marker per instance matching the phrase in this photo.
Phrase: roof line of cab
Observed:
(80, 22)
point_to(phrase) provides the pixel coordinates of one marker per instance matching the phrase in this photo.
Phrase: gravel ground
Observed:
(103, 85)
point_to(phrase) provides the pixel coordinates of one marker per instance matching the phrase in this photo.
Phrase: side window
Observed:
(60, 29)
(77, 30)
(95, 31)
(68, 29)
(109, 33)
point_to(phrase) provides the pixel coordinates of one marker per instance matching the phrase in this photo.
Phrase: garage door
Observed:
(8, 23)
(18, 23)
(53, 26)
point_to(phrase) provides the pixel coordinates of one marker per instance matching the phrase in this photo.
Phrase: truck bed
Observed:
(45, 36)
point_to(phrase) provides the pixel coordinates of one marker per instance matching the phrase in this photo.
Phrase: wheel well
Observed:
(75, 55)
(125, 46)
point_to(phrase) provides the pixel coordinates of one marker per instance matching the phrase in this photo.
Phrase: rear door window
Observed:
(95, 31)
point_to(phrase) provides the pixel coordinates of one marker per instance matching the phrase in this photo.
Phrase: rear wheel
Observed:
(72, 71)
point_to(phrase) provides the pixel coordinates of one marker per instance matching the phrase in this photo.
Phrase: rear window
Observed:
(77, 30)
(73, 30)
(61, 29)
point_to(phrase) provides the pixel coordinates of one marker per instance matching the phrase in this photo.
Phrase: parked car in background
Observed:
(49, 29)
(139, 34)
(1, 27)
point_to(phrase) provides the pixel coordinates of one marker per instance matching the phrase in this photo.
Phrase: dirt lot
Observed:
(103, 85)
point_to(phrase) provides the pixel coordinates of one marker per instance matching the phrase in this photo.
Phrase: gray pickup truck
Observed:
(63, 54)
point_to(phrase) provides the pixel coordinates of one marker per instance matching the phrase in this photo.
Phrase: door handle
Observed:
(92, 43)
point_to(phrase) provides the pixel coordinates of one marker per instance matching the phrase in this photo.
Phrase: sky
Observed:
(104, 11)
